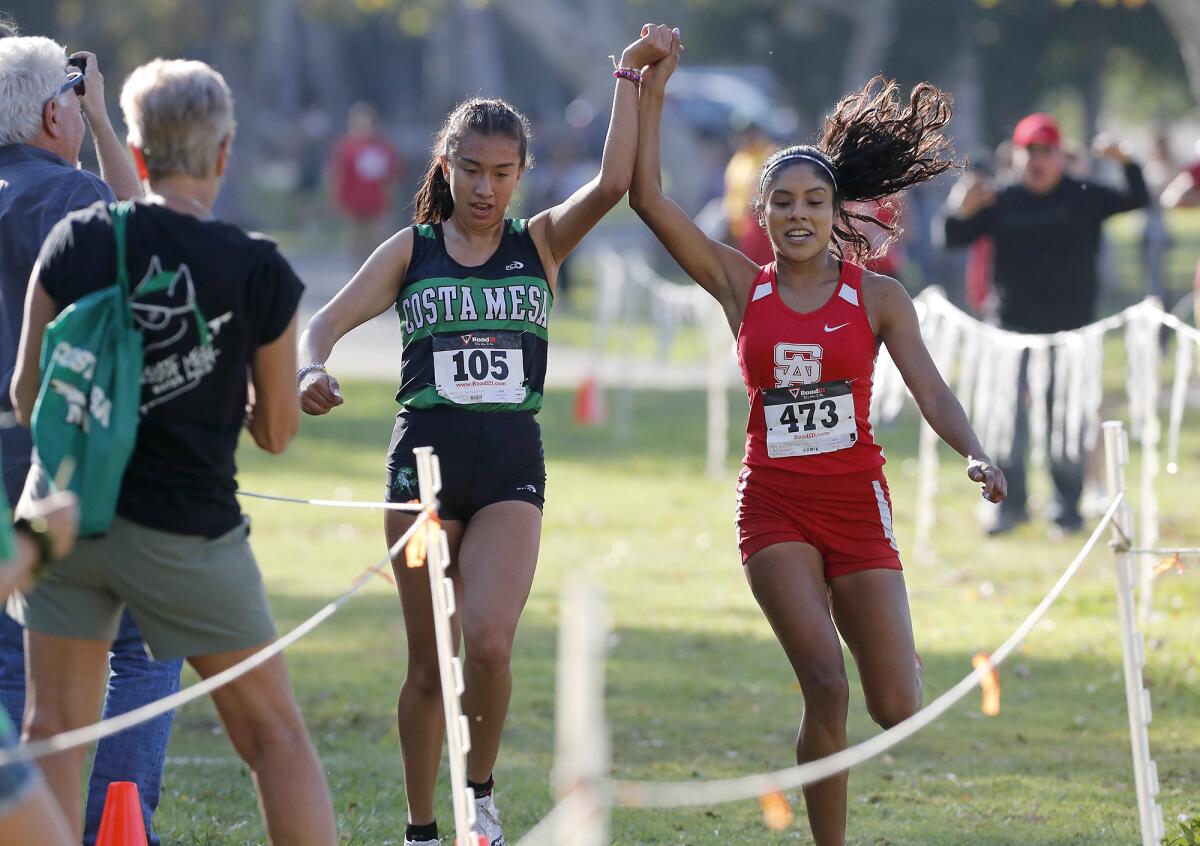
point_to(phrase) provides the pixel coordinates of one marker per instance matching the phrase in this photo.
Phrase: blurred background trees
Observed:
(296, 66)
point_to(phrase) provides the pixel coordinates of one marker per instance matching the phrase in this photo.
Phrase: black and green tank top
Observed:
(474, 337)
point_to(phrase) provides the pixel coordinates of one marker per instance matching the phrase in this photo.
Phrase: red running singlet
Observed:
(808, 377)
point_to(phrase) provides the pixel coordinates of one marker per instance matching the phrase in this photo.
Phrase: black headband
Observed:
(799, 156)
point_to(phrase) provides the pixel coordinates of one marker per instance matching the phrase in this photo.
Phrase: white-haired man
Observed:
(43, 106)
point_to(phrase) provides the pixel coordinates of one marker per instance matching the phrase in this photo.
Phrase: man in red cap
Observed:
(1046, 234)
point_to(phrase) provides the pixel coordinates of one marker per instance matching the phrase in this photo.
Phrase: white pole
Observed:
(1151, 437)
(458, 734)
(944, 344)
(582, 743)
(1137, 698)
(717, 338)
(927, 486)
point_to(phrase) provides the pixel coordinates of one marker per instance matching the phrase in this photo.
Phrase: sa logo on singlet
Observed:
(797, 364)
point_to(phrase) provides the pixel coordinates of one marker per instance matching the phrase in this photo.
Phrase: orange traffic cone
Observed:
(589, 405)
(122, 823)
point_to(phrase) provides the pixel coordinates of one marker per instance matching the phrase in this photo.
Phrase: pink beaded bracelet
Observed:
(628, 73)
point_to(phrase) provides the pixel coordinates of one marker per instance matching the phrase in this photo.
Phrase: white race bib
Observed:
(809, 419)
(477, 367)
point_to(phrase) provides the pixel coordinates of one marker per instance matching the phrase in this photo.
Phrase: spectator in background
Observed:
(887, 250)
(364, 170)
(41, 131)
(1183, 192)
(1046, 233)
(560, 174)
(741, 185)
(977, 276)
(310, 139)
(1156, 237)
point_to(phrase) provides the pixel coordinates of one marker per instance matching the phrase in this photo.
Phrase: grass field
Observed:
(697, 686)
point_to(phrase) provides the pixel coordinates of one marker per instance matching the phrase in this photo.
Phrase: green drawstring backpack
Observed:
(88, 405)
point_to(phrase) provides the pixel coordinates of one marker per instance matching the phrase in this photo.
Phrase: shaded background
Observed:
(1127, 66)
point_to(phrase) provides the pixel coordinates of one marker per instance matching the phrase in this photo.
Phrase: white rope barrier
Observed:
(545, 831)
(643, 794)
(937, 299)
(988, 361)
(105, 728)
(411, 507)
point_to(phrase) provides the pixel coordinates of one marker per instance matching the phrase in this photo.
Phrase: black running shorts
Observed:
(485, 457)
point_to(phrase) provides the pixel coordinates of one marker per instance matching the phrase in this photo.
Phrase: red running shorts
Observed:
(847, 517)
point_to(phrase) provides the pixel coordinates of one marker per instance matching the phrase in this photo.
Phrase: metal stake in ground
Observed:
(441, 589)
(1137, 698)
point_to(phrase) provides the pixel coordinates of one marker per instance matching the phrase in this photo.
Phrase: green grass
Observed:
(697, 685)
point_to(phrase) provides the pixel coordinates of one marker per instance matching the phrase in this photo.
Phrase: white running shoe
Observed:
(487, 820)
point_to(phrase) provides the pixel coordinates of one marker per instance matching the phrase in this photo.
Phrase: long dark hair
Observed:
(433, 201)
(875, 147)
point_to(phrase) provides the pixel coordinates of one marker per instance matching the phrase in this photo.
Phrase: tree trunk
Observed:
(1183, 16)
(573, 43)
(965, 74)
(235, 62)
(480, 69)
(872, 31)
(275, 73)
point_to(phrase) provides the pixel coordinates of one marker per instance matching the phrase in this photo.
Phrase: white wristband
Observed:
(310, 368)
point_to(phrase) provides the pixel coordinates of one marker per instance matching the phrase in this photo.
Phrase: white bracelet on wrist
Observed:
(310, 368)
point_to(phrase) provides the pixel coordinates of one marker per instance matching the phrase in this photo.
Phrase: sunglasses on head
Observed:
(74, 80)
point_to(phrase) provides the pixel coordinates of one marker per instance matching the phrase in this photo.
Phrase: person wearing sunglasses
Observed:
(46, 106)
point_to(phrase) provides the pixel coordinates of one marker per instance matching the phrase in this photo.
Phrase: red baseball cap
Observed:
(1037, 128)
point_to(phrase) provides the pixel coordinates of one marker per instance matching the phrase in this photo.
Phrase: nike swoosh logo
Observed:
(829, 328)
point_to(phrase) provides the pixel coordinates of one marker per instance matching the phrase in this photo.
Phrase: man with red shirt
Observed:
(364, 168)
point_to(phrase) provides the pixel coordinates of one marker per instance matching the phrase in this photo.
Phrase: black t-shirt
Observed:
(180, 477)
(1046, 248)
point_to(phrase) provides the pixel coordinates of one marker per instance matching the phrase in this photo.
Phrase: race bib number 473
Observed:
(809, 419)
(479, 367)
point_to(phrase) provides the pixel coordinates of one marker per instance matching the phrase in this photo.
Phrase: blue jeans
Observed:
(135, 755)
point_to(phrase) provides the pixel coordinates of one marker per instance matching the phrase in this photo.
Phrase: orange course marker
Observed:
(777, 813)
(989, 684)
(121, 824)
(417, 548)
(1168, 563)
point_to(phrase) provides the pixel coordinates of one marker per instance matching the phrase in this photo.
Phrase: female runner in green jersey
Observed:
(473, 290)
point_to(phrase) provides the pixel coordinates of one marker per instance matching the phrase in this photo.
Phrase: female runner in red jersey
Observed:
(814, 519)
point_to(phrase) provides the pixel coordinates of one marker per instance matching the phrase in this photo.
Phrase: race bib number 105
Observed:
(479, 367)
(809, 419)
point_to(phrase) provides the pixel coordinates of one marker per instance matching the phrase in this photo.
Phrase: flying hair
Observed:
(872, 149)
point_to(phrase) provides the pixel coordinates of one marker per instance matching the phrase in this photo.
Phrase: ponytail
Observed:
(433, 201)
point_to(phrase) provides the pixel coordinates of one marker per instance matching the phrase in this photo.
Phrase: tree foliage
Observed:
(413, 58)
